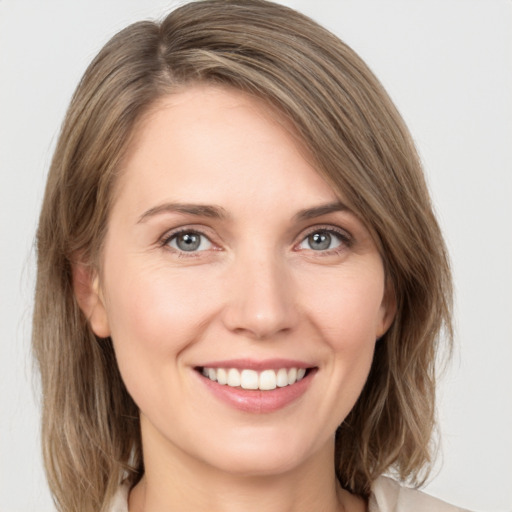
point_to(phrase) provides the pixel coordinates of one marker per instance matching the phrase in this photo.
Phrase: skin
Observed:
(255, 289)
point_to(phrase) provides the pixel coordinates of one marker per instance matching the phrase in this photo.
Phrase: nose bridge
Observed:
(261, 302)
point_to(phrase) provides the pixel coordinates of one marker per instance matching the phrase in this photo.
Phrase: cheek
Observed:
(347, 311)
(154, 306)
(347, 308)
(155, 314)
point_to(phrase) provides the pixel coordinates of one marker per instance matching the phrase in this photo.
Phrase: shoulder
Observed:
(389, 496)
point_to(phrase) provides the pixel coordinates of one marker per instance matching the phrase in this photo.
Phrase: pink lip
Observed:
(250, 364)
(257, 401)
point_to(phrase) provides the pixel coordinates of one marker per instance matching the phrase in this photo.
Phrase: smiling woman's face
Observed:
(230, 263)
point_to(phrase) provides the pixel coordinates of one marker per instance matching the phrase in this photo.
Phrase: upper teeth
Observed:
(251, 379)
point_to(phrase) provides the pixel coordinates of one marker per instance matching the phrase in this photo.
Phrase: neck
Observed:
(175, 481)
(231, 494)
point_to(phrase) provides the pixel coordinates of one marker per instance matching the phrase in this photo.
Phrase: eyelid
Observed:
(346, 238)
(329, 228)
(166, 238)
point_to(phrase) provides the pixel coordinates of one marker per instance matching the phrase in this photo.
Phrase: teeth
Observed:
(292, 375)
(251, 379)
(222, 376)
(282, 378)
(233, 378)
(268, 380)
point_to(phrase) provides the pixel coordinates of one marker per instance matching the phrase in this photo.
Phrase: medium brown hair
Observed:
(359, 143)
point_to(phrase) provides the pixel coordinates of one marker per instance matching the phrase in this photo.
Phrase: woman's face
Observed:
(243, 298)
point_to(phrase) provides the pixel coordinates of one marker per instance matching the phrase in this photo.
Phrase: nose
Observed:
(261, 302)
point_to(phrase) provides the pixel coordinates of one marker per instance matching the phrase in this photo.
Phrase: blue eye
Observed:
(189, 241)
(322, 240)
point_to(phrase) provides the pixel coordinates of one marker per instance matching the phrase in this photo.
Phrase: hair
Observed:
(360, 145)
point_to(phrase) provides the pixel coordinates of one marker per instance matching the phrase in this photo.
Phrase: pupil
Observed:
(319, 241)
(188, 242)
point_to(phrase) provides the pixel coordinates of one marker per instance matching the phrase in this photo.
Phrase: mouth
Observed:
(251, 379)
(257, 386)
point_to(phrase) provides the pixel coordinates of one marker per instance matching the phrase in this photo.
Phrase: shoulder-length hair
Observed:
(360, 145)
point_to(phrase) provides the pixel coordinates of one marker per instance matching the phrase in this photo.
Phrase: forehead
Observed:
(199, 104)
(207, 139)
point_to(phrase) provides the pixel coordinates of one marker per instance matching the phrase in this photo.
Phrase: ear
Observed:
(388, 311)
(86, 286)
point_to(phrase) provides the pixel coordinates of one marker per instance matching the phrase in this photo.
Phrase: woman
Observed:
(240, 279)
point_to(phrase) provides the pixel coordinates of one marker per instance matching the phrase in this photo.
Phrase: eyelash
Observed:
(346, 240)
(168, 237)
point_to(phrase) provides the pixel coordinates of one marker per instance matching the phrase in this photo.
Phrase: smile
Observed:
(257, 386)
(249, 379)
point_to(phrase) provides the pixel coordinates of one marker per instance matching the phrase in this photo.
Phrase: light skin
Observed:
(224, 243)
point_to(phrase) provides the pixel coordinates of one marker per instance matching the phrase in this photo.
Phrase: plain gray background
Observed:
(448, 66)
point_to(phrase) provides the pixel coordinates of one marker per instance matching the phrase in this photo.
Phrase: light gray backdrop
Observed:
(448, 66)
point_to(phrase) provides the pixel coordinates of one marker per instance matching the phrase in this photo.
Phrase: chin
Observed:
(259, 454)
(260, 465)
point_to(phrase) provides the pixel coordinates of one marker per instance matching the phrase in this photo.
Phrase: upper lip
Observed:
(251, 364)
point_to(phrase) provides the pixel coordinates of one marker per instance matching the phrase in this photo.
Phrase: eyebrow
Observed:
(201, 210)
(217, 212)
(318, 211)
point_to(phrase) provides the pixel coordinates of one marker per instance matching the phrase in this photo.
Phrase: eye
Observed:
(189, 241)
(323, 240)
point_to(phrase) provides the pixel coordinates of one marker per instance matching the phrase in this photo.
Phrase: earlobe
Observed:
(86, 286)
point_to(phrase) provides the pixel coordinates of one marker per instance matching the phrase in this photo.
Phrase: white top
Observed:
(389, 496)
(386, 496)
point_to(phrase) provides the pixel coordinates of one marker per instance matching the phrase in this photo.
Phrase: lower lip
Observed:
(257, 401)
